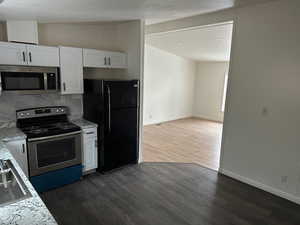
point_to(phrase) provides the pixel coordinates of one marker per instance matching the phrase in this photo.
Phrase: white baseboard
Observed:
(261, 186)
(167, 120)
(208, 118)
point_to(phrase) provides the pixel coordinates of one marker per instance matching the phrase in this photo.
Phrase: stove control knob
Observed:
(21, 114)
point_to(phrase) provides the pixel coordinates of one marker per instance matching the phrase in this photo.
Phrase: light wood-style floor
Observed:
(190, 140)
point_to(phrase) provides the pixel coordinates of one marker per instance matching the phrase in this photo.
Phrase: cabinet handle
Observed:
(109, 61)
(23, 148)
(90, 133)
(24, 59)
(104, 60)
(64, 84)
(30, 57)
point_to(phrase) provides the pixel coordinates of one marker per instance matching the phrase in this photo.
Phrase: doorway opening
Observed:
(185, 86)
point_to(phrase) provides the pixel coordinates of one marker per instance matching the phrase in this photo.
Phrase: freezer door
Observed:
(122, 94)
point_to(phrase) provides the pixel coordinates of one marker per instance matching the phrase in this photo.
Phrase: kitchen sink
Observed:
(12, 187)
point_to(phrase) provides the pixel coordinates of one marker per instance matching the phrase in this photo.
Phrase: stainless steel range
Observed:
(54, 146)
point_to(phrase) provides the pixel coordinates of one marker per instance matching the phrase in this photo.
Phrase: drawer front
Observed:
(90, 132)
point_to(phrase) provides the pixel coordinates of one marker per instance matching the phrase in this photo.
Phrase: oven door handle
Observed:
(54, 136)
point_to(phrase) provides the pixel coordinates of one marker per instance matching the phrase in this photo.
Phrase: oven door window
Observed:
(12, 81)
(55, 152)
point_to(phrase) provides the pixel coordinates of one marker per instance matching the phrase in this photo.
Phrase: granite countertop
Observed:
(10, 134)
(30, 211)
(84, 124)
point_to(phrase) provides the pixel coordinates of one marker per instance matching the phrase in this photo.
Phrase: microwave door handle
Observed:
(45, 81)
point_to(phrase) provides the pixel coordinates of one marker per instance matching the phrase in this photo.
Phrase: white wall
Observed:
(261, 126)
(261, 134)
(209, 86)
(168, 86)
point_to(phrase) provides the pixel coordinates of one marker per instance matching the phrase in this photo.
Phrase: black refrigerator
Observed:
(114, 106)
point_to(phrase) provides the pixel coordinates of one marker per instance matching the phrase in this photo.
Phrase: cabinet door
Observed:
(71, 70)
(12, 54)
(117, 60)
(42, 56)
(90, 153)
(94, 58)
(19, 151)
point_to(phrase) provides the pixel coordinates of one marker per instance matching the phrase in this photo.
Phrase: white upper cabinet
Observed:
(104, 59)
(12, 54)
(71, 70)
(94, 58)
(42, 56)
(32, 55)
(117, 60)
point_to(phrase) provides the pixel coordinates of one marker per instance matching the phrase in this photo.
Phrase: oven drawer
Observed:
(50, 154)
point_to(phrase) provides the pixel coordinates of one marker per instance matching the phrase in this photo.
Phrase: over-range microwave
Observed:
(23, 79)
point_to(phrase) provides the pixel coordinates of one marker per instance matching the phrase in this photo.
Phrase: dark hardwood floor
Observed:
(167, 194)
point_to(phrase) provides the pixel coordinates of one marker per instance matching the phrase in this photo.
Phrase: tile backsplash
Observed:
(10, 102)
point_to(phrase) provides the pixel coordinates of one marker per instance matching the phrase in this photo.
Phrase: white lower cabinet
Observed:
(18, 148)
(90, 149)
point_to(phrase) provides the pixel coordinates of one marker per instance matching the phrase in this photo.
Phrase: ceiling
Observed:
(210, 43)
(153, 11)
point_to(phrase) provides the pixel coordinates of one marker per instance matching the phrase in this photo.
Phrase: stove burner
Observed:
(39, 125)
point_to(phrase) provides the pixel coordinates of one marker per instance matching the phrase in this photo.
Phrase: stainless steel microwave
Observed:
(28, 79)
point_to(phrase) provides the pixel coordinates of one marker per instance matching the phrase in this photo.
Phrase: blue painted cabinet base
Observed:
(57, 178)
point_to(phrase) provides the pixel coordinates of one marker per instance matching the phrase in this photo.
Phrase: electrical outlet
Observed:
(265, 111)
(298, 186)
(284, 179)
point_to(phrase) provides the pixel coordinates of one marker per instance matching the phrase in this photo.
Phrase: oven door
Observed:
(47, 154)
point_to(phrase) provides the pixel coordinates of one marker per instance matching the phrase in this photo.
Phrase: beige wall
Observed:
(3, 31)
(261, 128)
(209, 86)
(121, 36)
(130, 39)
(98, 36)
(169, 86)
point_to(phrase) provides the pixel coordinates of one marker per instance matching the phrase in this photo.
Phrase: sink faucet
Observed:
(3, 171)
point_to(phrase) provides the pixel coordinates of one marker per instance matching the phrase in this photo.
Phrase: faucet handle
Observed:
(3, 165)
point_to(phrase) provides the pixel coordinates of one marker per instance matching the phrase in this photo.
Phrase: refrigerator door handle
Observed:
(109, 109)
